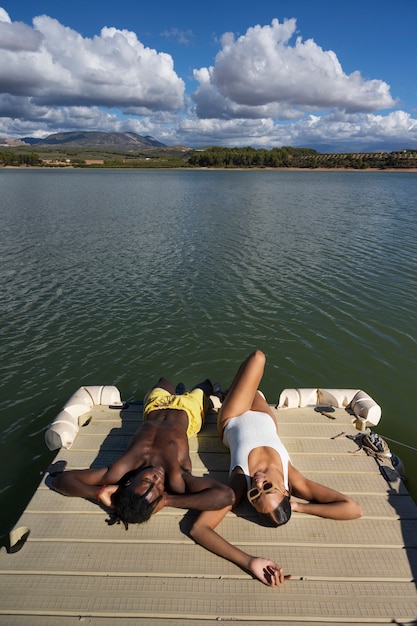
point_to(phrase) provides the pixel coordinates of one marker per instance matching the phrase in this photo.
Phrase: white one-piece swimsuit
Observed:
(251, 430)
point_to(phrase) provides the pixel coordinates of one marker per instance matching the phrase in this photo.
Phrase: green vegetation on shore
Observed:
(10, 157)
(210, 157)
(305, 158)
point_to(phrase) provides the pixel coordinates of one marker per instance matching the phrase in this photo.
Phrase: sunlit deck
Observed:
(74, 568)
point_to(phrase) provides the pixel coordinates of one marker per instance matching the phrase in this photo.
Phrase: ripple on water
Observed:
(120, 277)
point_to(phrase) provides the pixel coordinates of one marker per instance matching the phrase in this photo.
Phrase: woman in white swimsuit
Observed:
(261, 470)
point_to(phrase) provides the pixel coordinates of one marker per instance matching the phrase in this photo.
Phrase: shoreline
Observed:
(412, 170)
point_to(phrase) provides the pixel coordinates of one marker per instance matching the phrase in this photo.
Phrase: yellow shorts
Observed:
(192, 402)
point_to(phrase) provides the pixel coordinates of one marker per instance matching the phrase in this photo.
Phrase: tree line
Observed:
(249, 157)
(220, 157)
(305, 158)
(17, 159)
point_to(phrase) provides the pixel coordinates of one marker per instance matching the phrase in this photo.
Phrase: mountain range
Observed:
(90, 139)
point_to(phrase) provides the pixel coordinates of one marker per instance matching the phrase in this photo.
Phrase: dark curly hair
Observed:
(130, 507)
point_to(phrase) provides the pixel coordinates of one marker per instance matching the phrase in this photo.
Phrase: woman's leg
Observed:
(260, 404)
(242, 394)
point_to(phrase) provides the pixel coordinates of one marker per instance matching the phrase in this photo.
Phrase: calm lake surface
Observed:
(119, 277)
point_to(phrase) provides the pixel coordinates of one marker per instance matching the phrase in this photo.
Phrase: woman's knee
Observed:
(260, 357)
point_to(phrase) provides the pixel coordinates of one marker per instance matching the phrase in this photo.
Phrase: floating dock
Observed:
(72, 568)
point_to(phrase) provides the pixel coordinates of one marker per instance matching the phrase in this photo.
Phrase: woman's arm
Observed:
(203, 533)
(321, 501)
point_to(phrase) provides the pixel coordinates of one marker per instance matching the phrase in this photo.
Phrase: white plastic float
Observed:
(75, 413)
(365, 409)
(64, 428)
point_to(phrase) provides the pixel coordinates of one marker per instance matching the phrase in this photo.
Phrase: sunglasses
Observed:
(267, 487)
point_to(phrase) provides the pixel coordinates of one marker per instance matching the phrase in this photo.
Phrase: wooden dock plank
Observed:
(177, 560)
(303, 462)
(225, 599)
(303, 529)
(373, 504)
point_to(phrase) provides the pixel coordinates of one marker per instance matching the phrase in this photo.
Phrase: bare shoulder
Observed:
(237, 482)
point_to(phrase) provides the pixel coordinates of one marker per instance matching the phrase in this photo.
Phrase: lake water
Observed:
(119, 277)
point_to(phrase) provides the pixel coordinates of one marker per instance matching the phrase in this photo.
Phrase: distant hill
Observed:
(92, 139)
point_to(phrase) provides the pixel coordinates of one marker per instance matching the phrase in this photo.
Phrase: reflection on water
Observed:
(118, 277)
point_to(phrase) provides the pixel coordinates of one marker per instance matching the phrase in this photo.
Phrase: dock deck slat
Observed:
(230, 599)
(303, 529)
(177, 561)
(75, 569)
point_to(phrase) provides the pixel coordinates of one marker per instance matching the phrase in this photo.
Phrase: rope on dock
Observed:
(401, 444)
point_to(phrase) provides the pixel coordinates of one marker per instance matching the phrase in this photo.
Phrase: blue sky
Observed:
(332, 75)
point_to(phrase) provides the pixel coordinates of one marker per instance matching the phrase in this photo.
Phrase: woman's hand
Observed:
(267, 571)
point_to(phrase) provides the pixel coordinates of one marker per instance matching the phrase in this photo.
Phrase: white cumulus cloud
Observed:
(54, 65)
(17, 36)
(264, 69)
(4, 16)
(266, 88)
(337, 131)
